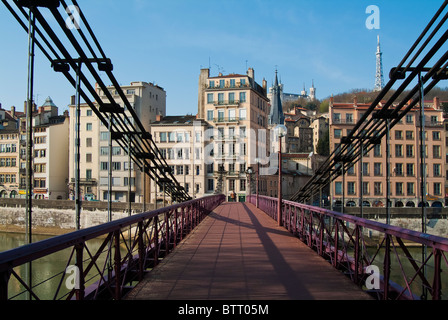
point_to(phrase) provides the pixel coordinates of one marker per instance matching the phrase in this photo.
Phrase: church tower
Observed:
(312, 92)
(276, 115)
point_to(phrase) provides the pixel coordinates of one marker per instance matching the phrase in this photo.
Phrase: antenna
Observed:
(379, 78)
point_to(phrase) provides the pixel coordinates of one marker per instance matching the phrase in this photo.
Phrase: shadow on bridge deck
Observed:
(239, 253)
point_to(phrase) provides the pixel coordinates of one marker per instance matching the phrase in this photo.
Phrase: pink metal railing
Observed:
(128, 248)
(410, 262)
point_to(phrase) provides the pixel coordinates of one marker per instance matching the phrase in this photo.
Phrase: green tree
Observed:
(323, 145)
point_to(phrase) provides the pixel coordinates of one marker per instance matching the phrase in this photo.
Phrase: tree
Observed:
(323, 145)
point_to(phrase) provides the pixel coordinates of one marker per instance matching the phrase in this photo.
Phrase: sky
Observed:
(168, 42)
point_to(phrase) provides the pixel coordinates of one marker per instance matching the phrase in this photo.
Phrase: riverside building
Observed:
(405, 175)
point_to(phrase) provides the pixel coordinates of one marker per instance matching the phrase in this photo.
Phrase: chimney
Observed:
(436, 103)
(355, 101)
(331, 101)
(72, 100)
(13, 112)
(159, 117)
(251, 73)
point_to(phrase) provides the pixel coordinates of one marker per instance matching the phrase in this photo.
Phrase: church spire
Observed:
(276, 115)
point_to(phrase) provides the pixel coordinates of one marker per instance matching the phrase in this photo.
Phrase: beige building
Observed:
(50, 153)
(148, 100)
(181, 142)
(404, 144)
(236, 108)
(9, 161)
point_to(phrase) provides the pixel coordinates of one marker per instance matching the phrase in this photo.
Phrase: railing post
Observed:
(79, 264)
(437, 283)
(321, 236)
(167, 232)
(141, 251)
(156, 240)
(117, 262)
(336, 243)
(176, 227)
(4, 280)
(356, 253)
(386, 270)
(182, 223)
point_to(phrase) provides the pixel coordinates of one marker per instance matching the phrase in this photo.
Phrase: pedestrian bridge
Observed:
(211, 249)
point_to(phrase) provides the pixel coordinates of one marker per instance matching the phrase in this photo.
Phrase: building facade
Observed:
(181, 142)
(50, 153)
(236, 108)
(148, 101)
(405, 174)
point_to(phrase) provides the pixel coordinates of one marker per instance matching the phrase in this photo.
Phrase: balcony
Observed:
(226, 103)
(226, 120)
(85, 181)
(431, 124)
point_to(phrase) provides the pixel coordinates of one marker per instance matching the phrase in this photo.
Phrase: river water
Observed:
(44, 268)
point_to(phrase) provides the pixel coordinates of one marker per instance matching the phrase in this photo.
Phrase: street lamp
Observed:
(258, 175)
(249, 172)
(280, 131)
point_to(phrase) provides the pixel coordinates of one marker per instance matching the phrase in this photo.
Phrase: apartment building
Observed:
(236, 108)
(147, 100)
(50, 152)
(181, 142)
(405, 175)
(9, 162)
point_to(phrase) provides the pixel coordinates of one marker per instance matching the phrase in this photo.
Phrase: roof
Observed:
(178, 120)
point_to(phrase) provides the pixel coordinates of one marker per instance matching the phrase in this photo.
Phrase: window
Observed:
(409, 135)
(377, 188)
(410, 169)
(88, 142)
(220, 98)
(232, 83)
(210, 184)
(399, 150)
(162, 136)
(242, 132)
(231, 184)
(399, 169)
(242, 114)
(409, 118)
(88, 157)
(116, 166)
(210, 115)
(436, 152)
(210, 98)
(437, 189)
(437, 170)
(337, 118)
(179, 170)
(242, 96)
(409, 151)
(365, 188)
(104, 136)
(171, 137)
(104, 151)
(221, 83)
(398, 135)
(232, 116)
(399, 189)
(116, 151)
(211, 84)
(349, 118)
(377, 150)
(377, 169)
(337, 133)
(104, 165)
(231, 97)
(365, 168)
(89, 113)
(436, 135)
(351, 188)
(338, 187)
(410, 188)
(89, 174)
(242, 184)
(88, 127)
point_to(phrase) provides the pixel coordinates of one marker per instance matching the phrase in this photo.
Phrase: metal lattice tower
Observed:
(379, 78)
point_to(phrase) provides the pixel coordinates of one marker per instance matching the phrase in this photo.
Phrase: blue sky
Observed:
(168, 42)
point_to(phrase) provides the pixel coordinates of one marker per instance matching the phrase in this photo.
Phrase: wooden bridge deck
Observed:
(239, 253)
